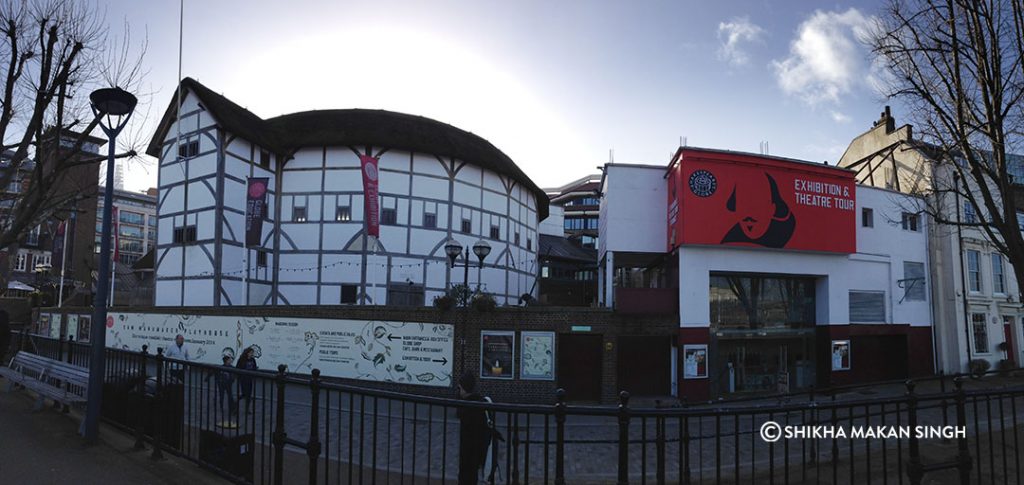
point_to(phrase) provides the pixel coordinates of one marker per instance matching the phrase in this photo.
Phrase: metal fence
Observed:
(304, 429)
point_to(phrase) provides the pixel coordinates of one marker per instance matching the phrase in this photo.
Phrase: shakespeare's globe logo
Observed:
(371, 171)
(257, 189)
(703, 183)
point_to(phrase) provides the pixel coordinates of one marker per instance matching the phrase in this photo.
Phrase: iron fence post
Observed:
(560, 437)
(140, 422)
(67, 386)
(660, 423)
(60, 347)
(942, 389)
(915, 471)
(279, 433)
(623, 438)
(313, 446)
(686, 444)
(963, 452)
(814, 421)
(158, 423)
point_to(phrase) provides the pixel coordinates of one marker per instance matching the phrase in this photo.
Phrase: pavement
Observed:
(43, 447)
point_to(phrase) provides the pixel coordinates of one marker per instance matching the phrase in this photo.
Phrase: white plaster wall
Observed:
(633, 209)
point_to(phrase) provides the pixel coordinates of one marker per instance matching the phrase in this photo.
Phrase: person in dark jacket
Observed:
(5, 334)
(224, 380)
(247, 361)
(474, 434)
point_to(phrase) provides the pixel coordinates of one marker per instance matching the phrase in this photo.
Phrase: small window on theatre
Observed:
(298, 214)
(495, 232)
(349, 293)
(429, 220)
(343, 213)
(189, 148)
(389, 217)
(467, 226)
(867, 217)
(911, 222)
(184, 234)
(516, 242)
(261, 259)
(529, 244)
(264, 159)
(867, 306)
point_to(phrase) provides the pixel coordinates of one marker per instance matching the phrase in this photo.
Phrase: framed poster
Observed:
(537, 357)
(84, 327)
(72, 332)
(840, 355)
(695, 361)
(497, 354)
(43, 325)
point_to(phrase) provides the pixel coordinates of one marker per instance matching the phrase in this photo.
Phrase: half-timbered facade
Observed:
(436, 182)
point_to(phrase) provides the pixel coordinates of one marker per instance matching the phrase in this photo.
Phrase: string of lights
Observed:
(521, 264)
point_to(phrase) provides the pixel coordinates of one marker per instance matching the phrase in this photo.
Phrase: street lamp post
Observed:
(452, 248)
(113, 107)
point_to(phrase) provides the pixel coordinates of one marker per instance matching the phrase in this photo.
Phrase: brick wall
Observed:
(466, 345)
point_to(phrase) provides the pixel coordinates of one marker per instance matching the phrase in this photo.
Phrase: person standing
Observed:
(247, 361)
(224, 380)
(178, 351)
(474, 434)
(5, 334)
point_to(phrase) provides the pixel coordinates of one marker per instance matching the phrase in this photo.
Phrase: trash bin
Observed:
(230, 453)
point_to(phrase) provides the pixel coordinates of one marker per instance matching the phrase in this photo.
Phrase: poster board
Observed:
(72, 331)
(695, 361)
(497, 354)
(840, 355)
(402, 352)
(537, 356)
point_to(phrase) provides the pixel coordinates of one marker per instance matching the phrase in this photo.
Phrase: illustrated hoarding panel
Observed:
(745, 200)
(403, 352)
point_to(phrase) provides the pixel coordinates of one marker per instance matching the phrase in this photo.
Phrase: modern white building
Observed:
(436, 183)
(784, 273)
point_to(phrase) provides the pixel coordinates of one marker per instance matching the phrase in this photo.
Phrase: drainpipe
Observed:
(963, 273)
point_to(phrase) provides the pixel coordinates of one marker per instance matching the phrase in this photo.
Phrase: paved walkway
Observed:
(43, 447)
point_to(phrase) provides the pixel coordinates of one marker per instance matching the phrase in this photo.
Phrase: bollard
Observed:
(560, 437)
(140, 422)
(158, 423)
(624, 438)
(313, 445)
(915, 471)
(279, 434)
(963, 451)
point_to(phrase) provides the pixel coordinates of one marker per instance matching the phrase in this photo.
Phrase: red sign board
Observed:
(372, 202)
(746, 200)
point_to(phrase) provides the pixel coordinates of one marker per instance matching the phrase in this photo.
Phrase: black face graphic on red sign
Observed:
(762, 216)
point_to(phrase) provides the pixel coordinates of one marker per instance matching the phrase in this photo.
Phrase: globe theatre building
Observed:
(436, 186)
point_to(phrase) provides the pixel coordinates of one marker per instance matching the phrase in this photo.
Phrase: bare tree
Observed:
(52, 55)
(958, 65)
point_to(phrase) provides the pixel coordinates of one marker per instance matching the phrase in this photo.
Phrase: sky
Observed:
(561, 87)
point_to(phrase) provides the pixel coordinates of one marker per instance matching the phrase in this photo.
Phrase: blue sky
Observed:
(555, 85)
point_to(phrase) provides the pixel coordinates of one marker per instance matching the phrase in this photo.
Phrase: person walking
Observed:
(474, 434)
(178, 351)
(247, 361)
(224, 380)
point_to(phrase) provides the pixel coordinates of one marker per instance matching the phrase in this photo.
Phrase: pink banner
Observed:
(372, 202)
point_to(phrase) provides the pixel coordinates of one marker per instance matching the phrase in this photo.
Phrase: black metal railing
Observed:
(306, 428)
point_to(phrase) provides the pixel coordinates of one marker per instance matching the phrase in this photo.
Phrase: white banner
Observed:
(405, 352)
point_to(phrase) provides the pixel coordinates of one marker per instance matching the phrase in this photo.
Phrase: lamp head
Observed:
(481, 249)
(452, 248)
(113, 101)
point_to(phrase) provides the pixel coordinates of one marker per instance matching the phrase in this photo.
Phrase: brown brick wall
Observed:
(468, 324)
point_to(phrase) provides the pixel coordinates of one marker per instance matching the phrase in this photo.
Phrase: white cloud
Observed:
(827, 58)
(732, 35)
(839, 117)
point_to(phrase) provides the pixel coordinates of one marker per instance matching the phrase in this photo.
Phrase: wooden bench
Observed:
(60, 381)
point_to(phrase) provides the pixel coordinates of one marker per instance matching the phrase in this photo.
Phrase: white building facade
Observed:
(436, 183)
(769, 318)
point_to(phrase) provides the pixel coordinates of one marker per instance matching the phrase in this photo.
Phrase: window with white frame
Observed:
(913, 281)
(974, 271)
(911, 222)
(979, 329)
(21, 263)
(867, 306)
(970, 216)
(998, 274)
(33, 236)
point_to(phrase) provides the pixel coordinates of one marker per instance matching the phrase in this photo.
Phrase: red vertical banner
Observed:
(372, 202)
(57, 251)
(255, 210)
